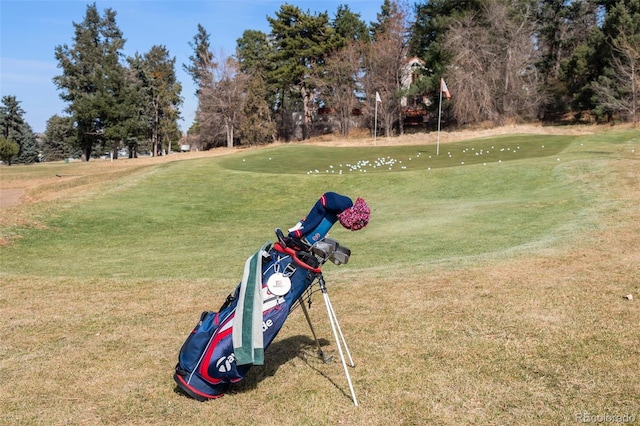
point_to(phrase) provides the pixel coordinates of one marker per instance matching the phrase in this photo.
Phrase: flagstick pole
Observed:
(439, 115)
(375, 124)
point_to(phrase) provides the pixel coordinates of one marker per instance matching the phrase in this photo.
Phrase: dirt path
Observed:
(10, 197)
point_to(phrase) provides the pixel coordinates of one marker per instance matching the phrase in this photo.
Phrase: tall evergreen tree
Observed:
(11, 118)
(92, 77)
(386, 10)
(8, 150)
(29, 152)
(428, 35)
(561, 27)
(202, 62)
(162, 97)
(301, 42)
(123, 120)
(254, 52)
(617, 89)
(14, 128)
(257, 126)
(59, 138)
(136, 123)
(348, 25)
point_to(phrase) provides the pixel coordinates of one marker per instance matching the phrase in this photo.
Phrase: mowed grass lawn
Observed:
(489, 287)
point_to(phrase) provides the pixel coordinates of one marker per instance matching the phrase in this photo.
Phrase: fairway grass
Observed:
(478, 294)
(189, 219)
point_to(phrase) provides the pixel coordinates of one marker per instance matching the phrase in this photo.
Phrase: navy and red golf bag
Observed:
(207, 362)
(225, 344)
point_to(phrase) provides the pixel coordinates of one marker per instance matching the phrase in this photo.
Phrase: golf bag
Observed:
(225, 344)
(208, 361)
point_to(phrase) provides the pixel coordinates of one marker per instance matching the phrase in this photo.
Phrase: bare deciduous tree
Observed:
(338, 82)
(494, 77)
(221, 101)
(473, 100)
(385, 63)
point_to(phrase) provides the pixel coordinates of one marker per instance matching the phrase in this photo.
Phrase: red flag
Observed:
(443, 88)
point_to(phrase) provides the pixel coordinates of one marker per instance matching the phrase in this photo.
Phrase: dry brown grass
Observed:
(528, 340)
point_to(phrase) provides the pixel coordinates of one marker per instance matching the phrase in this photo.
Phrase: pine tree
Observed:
(301, 43)
(617, 89)
(348, 25)
(202, 61)
(92, 77)
(257, 126)
(254, 52)
(201, 68)
(15, 129)
(162, 97)
(58, 138)
(8, 150)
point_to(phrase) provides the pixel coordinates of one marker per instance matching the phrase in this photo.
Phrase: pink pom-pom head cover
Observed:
(355, 217)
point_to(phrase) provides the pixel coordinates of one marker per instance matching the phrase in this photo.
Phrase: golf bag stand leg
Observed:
(335, 327)
(306, 315)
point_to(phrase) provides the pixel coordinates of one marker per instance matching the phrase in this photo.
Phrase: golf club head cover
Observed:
(321, 218)
(355, 217)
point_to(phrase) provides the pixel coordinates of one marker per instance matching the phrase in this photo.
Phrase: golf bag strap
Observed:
(283, 249)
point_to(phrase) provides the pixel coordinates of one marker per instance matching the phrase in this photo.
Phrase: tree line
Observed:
(504, 61)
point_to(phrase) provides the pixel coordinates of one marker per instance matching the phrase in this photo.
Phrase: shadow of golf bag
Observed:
(207, 361)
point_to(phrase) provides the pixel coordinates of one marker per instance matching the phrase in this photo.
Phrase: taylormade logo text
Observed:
(224, 363)
(266, 324)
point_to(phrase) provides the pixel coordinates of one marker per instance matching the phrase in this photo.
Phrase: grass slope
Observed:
(200, 218)
(478, 294)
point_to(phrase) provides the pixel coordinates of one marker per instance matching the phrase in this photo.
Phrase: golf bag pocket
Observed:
(192, 348)
(206, 362)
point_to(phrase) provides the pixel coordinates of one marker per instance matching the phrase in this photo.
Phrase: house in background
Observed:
(413, 108)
